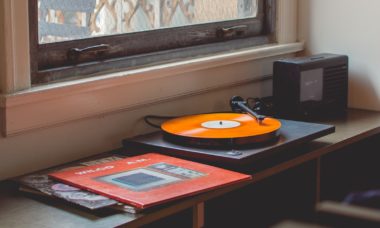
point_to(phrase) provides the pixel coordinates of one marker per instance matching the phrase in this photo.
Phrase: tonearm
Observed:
(238, 104)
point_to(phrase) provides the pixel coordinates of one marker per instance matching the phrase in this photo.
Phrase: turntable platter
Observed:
(218, 129)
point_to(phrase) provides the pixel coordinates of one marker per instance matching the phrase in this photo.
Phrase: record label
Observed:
(220, 124)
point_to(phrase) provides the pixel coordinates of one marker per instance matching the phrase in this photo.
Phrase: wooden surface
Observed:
(337, 214)
(345, 211)
(17, 210)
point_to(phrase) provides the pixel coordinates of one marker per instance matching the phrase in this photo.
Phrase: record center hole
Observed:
(221, 124)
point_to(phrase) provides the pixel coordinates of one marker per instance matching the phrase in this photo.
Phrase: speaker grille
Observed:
(288, 85)
(335, 83)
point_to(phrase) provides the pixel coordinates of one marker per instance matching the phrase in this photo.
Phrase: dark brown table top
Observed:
(356, 126)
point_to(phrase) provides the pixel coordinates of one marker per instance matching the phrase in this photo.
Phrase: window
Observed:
(76, 38)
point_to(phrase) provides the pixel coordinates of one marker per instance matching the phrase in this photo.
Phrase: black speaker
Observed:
(311, 88)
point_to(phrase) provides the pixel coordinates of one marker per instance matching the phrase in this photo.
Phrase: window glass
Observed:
(63, 20)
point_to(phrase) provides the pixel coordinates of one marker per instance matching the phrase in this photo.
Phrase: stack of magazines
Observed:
(128, 184)
(40, 183)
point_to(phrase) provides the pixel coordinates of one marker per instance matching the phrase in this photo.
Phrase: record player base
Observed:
(291, 133)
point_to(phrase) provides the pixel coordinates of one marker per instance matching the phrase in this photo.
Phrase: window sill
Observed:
(59, 103)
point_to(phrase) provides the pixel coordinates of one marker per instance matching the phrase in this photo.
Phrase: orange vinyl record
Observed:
(220, 129)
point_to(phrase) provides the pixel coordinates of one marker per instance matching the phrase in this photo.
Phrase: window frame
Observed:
(44, 70)
(97, 96)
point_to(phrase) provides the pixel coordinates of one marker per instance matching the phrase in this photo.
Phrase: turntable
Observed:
(235, 137)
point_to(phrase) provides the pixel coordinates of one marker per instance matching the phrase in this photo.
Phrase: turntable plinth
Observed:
(290, 134)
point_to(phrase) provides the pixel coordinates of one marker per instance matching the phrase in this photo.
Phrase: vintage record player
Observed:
(235, 138)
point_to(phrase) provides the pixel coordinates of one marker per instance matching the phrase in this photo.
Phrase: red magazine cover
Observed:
(147, 180)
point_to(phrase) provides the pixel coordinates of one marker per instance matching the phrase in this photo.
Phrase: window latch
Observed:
(231, 31)
(93, 51)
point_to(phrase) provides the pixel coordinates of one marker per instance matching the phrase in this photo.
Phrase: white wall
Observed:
(348, 27)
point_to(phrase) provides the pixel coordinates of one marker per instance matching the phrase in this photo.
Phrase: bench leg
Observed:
(198, 215)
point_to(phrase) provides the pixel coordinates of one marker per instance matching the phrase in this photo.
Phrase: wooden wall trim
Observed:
(56, 105)
(287, 17)
(16, 46)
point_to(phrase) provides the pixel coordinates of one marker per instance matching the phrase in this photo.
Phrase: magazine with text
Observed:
(147, 180)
